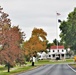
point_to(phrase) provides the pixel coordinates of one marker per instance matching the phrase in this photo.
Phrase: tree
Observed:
(10, 40)
(36, 43)
(40, 33)
(49, 45)
(55, 41)
(68, 30)
(74, 58)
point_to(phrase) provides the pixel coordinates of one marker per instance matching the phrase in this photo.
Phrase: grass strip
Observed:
(18, 69)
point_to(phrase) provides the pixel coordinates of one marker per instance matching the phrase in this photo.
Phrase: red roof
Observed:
(55, 47)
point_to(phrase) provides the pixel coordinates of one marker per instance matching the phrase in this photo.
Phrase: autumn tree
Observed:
(36, 43)
(10, 40)
(75, 58)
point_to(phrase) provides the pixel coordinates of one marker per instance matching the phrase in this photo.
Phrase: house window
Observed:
(62, 55)
(53, 55)
(58, 50)
(49, 55)
(53, 51)
(62, 50)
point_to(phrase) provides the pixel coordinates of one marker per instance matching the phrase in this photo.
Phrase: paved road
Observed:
(57, 69)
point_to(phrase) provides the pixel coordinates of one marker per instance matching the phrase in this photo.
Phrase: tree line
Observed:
(14, 49)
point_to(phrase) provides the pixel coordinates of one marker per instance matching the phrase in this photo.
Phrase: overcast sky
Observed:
(29, 14)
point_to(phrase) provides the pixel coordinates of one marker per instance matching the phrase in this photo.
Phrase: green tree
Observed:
(68, 30)
(55, 42)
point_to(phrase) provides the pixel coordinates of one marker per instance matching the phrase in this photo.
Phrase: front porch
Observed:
(58, 56)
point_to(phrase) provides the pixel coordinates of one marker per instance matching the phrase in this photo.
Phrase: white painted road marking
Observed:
(71, 68)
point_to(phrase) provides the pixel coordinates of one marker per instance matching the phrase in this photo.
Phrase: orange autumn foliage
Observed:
(10, 40)
(35, 44)
(75, 58)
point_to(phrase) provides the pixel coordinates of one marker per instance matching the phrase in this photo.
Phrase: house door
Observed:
(59, 56)
(62, 56)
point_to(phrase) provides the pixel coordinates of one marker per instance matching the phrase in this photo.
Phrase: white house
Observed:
(42, 55)
(54, 53)
(57, 52)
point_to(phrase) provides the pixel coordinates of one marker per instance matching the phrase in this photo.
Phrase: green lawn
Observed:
(54, 61)
(18, 69)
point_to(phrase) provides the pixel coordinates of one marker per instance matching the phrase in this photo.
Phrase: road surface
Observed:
(55, 69)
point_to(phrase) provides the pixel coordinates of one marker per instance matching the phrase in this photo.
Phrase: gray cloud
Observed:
(37, 13)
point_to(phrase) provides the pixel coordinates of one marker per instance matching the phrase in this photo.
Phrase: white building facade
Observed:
(56, 52)
(42, 55)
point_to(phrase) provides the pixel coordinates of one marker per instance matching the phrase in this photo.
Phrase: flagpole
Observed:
(57, 20)
(57, 29)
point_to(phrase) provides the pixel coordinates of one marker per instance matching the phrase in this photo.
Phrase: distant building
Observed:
(42, 55)
(57, 52)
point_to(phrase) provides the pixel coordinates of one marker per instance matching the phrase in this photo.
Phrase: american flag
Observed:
(58, 14)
